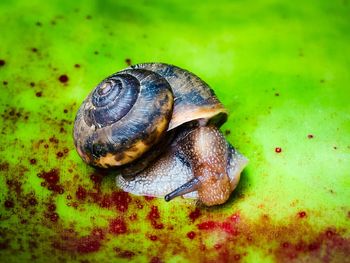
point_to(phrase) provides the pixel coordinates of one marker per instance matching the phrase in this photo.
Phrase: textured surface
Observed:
(281, 68)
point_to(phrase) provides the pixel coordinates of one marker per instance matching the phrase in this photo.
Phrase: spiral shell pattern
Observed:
(123, 117)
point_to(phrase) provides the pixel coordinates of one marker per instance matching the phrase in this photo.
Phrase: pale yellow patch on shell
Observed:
(193, 113)
(127, 156)
(108, 160)
(134, 152)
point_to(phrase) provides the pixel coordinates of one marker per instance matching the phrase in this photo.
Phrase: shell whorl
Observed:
(123, 117)
(112, 100)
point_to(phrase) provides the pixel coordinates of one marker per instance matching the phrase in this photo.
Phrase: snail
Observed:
(158, 126)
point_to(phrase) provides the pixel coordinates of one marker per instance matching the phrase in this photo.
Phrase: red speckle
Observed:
(14, 185)
(278, 149)
(313, 246)
(63, 78)
(50, 177)
(154, 216)
(117, 226)
(121, 200)
(54, 140)
(96, 178)
(46, 146)
(149, 198)
(126, 254)
(59, 154)
(88, 245)
(51, 181)
(2, 62)
(51, 207)
(24, 221)
(237, 257)
(4, 167)
(194, 214)
(228, 228)
(139, 205)
(153, 238)
(234, 218)
(209, 225)
(32, 161)
(65, 111)
(329, 233)
(155, 260)
(69, 197)
(191, 235)
(285, 244)
(34, 49)
(106, 202)
(310, 136)
(69, 241)
(9, 204)
(54, 217)
(133, 217)
(302, 214)
(32, 84)
(98, 233)
(32, 201)
(81, 193)
(77, 65)
(217, 246)
(128, 61)
(39, 94)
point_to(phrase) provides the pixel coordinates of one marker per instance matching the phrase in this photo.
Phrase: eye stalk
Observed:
(210, 158)
(186, 188)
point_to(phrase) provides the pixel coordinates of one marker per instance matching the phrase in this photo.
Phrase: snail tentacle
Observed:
(186, 188)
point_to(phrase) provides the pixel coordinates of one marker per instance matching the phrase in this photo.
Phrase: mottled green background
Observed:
(281, 68)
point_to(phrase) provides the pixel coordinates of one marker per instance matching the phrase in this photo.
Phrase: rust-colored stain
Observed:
(294, 239)
(288, 108)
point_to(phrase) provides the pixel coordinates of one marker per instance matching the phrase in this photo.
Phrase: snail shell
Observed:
(131, 114)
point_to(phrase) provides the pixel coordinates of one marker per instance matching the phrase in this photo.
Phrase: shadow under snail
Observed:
(158, 125)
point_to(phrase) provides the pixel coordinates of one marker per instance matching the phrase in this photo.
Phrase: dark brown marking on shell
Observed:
(151, 137)
(119, 156)
(146, 159)
(190, 91)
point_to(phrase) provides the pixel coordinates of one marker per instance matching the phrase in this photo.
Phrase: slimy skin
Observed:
(200, 164)
(207, 153)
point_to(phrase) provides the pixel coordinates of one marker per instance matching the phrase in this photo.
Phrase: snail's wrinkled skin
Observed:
(199, 155)
(159, 125)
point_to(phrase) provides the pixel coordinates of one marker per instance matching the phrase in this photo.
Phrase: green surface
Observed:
(281, 68)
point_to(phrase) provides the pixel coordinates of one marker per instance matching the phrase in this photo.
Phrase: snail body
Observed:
(159, 125)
